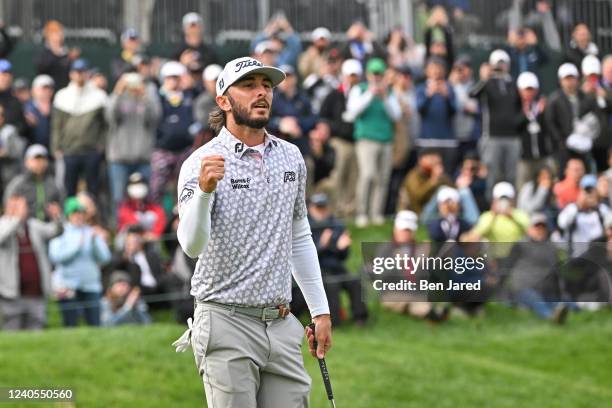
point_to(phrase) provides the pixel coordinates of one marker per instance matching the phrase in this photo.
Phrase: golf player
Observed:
(242, 209)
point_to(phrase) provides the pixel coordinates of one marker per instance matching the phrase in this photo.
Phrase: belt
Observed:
(266, 314)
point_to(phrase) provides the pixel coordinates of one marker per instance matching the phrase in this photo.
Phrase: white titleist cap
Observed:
(527, 80)
(240, 67)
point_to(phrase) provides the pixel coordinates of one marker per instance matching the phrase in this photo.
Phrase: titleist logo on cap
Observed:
(240, 65)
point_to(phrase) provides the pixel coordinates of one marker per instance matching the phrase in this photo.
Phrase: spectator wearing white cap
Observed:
(194, 51)
(131, 46)
(500, 145)
(592, 86)
(37, 110)
(173, 141)
(315, 56)
(449, 225)
(566, 106)
(537, 144)
(344, 174)
(267, 52)
(503, 223)
(583, 221)
(132, 114)
(205, 102)
(35, 184)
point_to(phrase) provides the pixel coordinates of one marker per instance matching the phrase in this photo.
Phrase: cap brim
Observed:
(276, 75)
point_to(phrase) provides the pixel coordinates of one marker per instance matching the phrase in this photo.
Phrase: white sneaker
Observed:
(361, 221)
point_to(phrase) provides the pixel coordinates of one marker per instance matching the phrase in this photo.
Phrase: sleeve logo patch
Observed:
(289, 176)
(186, 195)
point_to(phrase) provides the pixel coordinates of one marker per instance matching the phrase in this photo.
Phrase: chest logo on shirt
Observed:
(240, 183)
(239, 147)
(289, 176)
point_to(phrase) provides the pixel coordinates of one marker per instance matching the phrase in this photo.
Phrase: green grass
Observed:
(505, 359)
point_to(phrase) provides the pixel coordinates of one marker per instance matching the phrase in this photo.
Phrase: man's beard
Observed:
(241, 116)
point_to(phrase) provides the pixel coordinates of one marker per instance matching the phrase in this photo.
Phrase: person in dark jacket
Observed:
(526, 55)
(35, 183)
(292, 117)
(333, 242)
(193, 51)
(13, 109)
(565, 106)
(439, 37)
(174, 141)
(56, 58)
(7, 43)
(130, 47)
(537, 144)
(437, 105)
(360, 45)
(449, 226)
(344, 174)
(580, 46)
(37, 110)
(500, 104)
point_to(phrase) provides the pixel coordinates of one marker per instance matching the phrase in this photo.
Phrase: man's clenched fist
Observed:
(211, 171)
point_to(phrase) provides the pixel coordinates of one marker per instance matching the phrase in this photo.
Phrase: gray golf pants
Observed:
(248, 363)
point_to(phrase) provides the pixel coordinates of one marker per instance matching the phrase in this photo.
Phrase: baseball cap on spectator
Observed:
(212, 72)
(192, 18)
(240, 67)
(608, 220)
(538, 218)
(80, 65)
(406, 220)
(404, 69)
(527, 80)
(43, 80)
(320, 33)
(446, 193)
(588, 181)
(265, 46)
(130, 34)
(172, 68)
(352, 67)
(376, 66)
(119, 276)
(72, 205)
(566, 70)
(20, 83)
(36, 150)
(464, 60)
(591, 65)
(319, 200)
(5, 65)
(503, 189)
(498, 56)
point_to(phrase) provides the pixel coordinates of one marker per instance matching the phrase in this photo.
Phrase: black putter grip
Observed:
(323, 367)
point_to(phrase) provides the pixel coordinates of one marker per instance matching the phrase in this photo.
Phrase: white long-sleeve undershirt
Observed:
(194, 232)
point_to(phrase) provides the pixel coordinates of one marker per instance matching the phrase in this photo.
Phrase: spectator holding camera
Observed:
(132, 115)
(122, 303)
(193, 51)
(283, 37)
(77, 255)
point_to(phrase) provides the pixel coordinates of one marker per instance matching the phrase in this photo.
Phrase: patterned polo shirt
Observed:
(247, 260)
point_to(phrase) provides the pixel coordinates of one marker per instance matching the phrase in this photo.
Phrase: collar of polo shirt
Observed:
(233, 144)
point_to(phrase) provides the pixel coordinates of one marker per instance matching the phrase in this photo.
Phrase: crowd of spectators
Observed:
(396, 127)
